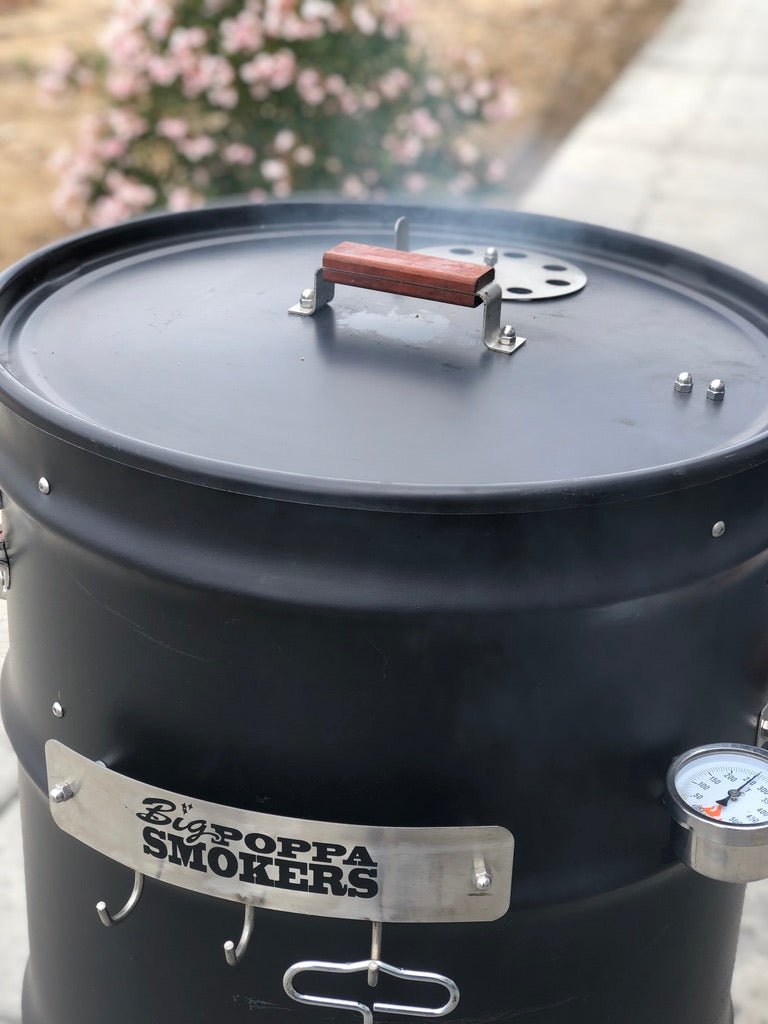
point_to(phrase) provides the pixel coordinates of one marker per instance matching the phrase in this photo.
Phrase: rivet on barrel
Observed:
(508, 334)
(684, 383)
(718, 529)
(43, 486)
(307, 299)
(58, 709)
(491, 256)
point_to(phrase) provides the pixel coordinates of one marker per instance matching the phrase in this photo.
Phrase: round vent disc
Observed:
(523, 275)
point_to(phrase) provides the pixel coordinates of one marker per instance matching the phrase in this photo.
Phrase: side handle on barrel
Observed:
(373, 966)
(413, 274)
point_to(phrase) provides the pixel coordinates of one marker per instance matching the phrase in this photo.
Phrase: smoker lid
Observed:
(167, 343)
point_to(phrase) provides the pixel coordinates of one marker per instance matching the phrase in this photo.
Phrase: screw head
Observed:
(508, 334)
(58, 709)
(43, 486)
(483, 881)
(491, 256)
(307, 298)
(60, 794)
(684, 382)
(718, 529)
(716, 390)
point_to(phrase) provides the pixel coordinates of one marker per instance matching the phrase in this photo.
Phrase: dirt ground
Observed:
(560, 53)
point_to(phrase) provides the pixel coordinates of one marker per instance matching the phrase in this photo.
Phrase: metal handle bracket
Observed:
(495, 337)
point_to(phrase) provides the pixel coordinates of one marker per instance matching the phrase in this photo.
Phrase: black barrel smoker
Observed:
(371, 577)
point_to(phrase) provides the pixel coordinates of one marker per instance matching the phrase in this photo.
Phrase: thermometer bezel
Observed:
(724, 850)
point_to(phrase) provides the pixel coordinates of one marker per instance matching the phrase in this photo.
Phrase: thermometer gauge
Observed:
(718, 796)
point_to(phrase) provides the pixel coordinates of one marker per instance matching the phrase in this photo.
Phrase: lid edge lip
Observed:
(369, 496)
(488, 499)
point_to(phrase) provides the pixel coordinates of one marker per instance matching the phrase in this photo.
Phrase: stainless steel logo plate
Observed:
(290, 864)
(522, 275)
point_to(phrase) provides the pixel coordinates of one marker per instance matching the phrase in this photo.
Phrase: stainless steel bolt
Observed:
(483, 881)
(508, 334)
(307, 298)
(491, 256)
(58, 709)
(684, 382)
(716, 390)
(718, 529)
(43, 486)
(60, 794)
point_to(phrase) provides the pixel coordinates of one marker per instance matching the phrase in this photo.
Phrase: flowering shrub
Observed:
(207, 98)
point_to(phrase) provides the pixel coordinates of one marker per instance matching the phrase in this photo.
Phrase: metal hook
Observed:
(373, 970)
(108, 919)
(402, 234)
(234, 954)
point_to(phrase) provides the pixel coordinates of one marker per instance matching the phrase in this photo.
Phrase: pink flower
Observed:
(349, 103)
(184, 40)
(161, 18)
(317, 10)
(275, 70)
(309, 87)
(353, 188)
(183, 198)
(364, 19)
(394, 83)
(335, 85)
(111, 148)
(304, 156)
(274, 170)
(173, 128)
(162, 71)
(466, 103)
(134, 194)
(126, 123)
(424, 125)
(284, 140)
(239, 154)
(107, 211)
(405, 150)
(242, 34)
(503, 107)
(197, 148)
(225, 98)
(124, 84)
(466, 152)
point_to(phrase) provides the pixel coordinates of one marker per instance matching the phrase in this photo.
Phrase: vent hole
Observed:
(462, 252)
(558, 282)
(515, 255)
(520, 291)
(554, 266)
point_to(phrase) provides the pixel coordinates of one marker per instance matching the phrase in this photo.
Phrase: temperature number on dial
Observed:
(728, 787)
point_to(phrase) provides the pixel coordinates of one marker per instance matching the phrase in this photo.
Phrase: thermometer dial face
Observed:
(727, 785)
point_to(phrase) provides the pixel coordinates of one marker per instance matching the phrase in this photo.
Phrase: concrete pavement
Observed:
(678, 147)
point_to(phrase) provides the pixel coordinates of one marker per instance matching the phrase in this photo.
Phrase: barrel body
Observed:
(536, 670)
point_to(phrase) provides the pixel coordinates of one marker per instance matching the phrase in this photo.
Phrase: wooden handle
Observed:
(406, 273)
